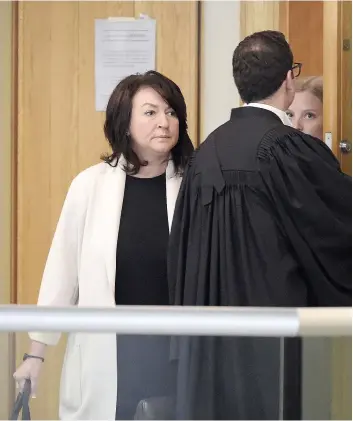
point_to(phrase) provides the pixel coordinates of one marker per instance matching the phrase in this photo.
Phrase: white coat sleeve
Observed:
(59, 286)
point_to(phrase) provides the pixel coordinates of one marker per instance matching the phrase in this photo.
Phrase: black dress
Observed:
(263, 218)
(141, 279)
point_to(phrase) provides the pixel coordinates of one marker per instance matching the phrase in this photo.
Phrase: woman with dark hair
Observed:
(110, 248)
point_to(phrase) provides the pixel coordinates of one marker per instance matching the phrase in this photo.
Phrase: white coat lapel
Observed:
(111, 212)
(173, 182)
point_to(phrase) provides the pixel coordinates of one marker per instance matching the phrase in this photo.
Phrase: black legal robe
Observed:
(263, 219)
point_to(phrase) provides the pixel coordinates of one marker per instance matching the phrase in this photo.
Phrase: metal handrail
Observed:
(155, 320)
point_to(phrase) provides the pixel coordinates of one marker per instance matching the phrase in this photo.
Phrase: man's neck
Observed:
(275, 103)
(273, 107)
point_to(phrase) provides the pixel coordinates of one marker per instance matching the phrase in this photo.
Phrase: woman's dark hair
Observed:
(118, 116)
(260, 65)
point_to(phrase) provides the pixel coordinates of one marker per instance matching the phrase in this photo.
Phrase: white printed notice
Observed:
(123, 46)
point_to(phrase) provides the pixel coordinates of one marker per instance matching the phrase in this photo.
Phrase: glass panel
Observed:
(199, 377)
(7, 364)
(327, 378)
(207, 377)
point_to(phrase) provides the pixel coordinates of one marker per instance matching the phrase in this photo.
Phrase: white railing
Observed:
(213, 321)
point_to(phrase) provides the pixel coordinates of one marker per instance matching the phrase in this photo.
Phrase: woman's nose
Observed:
(163, 120)
(297, 123)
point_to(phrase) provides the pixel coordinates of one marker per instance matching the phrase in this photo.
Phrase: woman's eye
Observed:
(171, 113)
(289, 114)
(309, 116)
(151, 112)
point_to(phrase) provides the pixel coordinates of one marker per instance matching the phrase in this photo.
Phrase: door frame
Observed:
(331, 74)
(8, 159)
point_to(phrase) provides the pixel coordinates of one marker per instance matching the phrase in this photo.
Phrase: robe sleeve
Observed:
(193, 258)
(313, 199)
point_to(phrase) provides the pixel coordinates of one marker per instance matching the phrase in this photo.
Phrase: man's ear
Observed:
(289, 81)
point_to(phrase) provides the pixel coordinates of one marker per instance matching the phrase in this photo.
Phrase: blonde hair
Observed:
(312, 84)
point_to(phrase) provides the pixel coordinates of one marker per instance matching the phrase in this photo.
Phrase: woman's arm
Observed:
(59, 286)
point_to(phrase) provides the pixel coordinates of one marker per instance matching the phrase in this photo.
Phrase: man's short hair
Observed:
(260, 65)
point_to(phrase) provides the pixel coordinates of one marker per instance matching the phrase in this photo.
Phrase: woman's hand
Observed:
(31, 367)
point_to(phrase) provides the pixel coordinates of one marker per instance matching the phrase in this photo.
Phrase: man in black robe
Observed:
(263, 219)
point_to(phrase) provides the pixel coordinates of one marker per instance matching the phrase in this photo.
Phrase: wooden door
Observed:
(60, 133)
(304, 33)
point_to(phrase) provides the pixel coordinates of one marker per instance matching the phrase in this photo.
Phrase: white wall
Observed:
(220, 34)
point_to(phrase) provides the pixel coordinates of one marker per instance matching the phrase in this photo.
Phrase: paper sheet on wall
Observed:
(123, 46)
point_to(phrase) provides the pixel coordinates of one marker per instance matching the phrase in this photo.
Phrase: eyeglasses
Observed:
(296, 69)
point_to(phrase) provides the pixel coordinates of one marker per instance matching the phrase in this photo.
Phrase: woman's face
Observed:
(154, 126)
(306, 114)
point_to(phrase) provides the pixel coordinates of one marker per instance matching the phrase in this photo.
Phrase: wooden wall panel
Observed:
(47, 158)
(90, 122)
(258, 16)
(177, 49)
(36, 165)
(33, 146)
